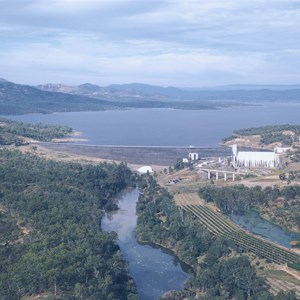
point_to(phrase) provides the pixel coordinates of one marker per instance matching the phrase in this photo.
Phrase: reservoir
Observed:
(154, 271)
(168, 127)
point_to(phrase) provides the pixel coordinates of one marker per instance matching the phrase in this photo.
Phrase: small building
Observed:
(193, 156)
(185, 160)
(280, 150)
(145, 170)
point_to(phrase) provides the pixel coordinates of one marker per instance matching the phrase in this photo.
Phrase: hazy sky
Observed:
(181, 43)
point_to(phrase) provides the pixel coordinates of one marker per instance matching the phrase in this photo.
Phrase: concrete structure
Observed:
(185, 160)
(254, 159)
(145, 170)
(219, 173)
(193, 156)
(281, 149)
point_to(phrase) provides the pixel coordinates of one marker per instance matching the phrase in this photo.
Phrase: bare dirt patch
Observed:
(288, 132)
(252, 141)
(188, 199)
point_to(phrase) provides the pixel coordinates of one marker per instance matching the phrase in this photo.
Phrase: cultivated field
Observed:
(217, 224)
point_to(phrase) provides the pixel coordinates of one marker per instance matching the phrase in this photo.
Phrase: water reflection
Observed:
(253, 222)
(154, 270)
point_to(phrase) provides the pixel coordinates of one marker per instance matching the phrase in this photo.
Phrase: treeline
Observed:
(63, 252)
(221, 270)
(295, 155)
(269, 134)
(240, 199)
(11, 132)
(161, 222)
(268, 129)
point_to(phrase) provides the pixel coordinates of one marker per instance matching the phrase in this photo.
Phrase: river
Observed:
(257, 225)
(154, 270)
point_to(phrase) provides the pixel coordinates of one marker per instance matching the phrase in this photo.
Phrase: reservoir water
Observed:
(154, 271)
(168, 127)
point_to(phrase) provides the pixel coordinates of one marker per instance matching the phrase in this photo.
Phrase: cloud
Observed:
(181, 43)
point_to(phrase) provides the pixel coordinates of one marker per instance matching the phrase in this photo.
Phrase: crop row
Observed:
(219, 225)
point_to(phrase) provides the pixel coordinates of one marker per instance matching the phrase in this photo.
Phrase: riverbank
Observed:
(74, 137)
(265, 216)
(154, 270)
(168, 248)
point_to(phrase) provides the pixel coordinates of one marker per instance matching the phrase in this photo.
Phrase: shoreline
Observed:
(73, 137)
(168, 249)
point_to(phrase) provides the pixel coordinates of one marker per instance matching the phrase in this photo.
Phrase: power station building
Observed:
(254, 159)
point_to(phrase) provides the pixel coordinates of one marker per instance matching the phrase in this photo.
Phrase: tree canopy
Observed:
(62, 251)
(13, 132)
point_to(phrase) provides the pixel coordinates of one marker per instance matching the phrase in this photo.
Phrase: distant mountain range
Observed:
(248, 87)
(133, 91)
(140, 91)
(20, 99)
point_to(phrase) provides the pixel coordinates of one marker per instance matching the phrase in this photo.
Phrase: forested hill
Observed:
(144, 92)
(21, 99)
(13, 132)
(50, 237)
(285, 134)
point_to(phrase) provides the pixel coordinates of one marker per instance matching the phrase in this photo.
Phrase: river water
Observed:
(253, 222)
(153, 270)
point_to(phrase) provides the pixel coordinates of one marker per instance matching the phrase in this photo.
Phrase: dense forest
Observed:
(285, 134)
(51, 242)
(221, 271)
(12, 132)
(240, 199)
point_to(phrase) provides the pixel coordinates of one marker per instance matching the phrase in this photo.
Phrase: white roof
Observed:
(256, 156)
(145, 170)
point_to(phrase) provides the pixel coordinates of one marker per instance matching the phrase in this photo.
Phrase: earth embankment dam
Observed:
(141, 155)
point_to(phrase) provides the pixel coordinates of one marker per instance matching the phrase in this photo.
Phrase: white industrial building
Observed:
(254, 159)
(193, 156)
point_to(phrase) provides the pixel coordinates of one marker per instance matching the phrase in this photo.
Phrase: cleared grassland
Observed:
(277, 285)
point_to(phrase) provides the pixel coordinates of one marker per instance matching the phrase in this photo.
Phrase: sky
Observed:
(190, 43)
